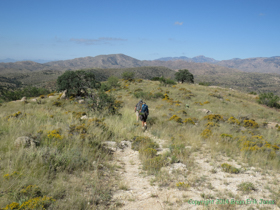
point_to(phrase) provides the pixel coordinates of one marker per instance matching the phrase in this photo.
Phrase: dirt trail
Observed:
(139, 193)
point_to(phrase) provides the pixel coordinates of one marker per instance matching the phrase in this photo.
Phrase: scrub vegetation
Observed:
(69, 168)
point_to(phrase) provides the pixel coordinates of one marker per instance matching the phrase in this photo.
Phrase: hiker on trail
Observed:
(137, 108)
(144, 112)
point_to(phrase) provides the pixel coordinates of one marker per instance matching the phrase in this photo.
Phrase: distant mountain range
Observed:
(8, 60)
(197, 59)
(254, 74)
(199, 63)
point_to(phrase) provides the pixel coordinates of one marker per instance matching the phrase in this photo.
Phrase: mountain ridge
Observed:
(256, 65)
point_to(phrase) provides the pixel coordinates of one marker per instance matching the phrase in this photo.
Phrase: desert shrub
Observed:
(189, 121)
(57, 103)
(233, 120)
(182, 185)
(154, 164)
(206, 133)
(205, 83)
(140, 142)
(229, 168)
(269, 99)
(11, 176)
(246, 187)
(176, 119)
(113, 82)
(103, 102)
(148, 153)
(214, 117)
(15, 115)
(55, 134)
(127, 75)
(212, 124)
(226, 137)
(155, 78)
(253, 93)
(28, 192)
(16, 94)
(166, 81)
(250, 124)
(158, 95)
(216, 95)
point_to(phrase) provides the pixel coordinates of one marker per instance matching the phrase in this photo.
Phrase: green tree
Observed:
(77, 82)
(269, 99)
(128, 75)
(113, 82)
(184, 75)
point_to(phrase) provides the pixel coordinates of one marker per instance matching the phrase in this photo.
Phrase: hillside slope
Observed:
(223, 147)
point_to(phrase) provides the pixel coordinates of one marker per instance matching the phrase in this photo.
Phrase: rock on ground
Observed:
(25, 141)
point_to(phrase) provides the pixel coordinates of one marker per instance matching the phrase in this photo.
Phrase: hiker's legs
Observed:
(137, 115)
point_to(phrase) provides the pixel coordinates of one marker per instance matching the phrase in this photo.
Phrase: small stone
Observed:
(84, 117)
(81, 101)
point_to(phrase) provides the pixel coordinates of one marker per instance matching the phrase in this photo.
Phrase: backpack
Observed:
(139, 105)
(144, 108)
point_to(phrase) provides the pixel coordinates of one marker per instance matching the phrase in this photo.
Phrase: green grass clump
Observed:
(230, 169)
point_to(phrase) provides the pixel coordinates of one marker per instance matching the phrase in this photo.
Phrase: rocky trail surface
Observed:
(137, 190)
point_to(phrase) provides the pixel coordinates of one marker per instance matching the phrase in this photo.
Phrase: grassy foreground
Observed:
(69, 168)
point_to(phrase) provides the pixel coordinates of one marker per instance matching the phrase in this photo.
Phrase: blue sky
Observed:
(143, 29)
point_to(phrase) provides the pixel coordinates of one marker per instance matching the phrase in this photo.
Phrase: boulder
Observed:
(124, 144)
(23, 99)
(25, 141)
(111, 146)
(51, 96)
(81, 101)
(205, 111)
(34, 99)
(272, 125)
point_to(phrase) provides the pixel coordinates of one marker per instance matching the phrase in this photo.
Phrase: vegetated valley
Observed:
(205, 148)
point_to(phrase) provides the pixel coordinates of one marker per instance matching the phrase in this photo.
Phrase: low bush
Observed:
(230, 169)
(269, 99)
(246, 187)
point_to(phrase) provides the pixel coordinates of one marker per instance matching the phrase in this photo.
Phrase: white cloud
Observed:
(100, 40)
(178, 23)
